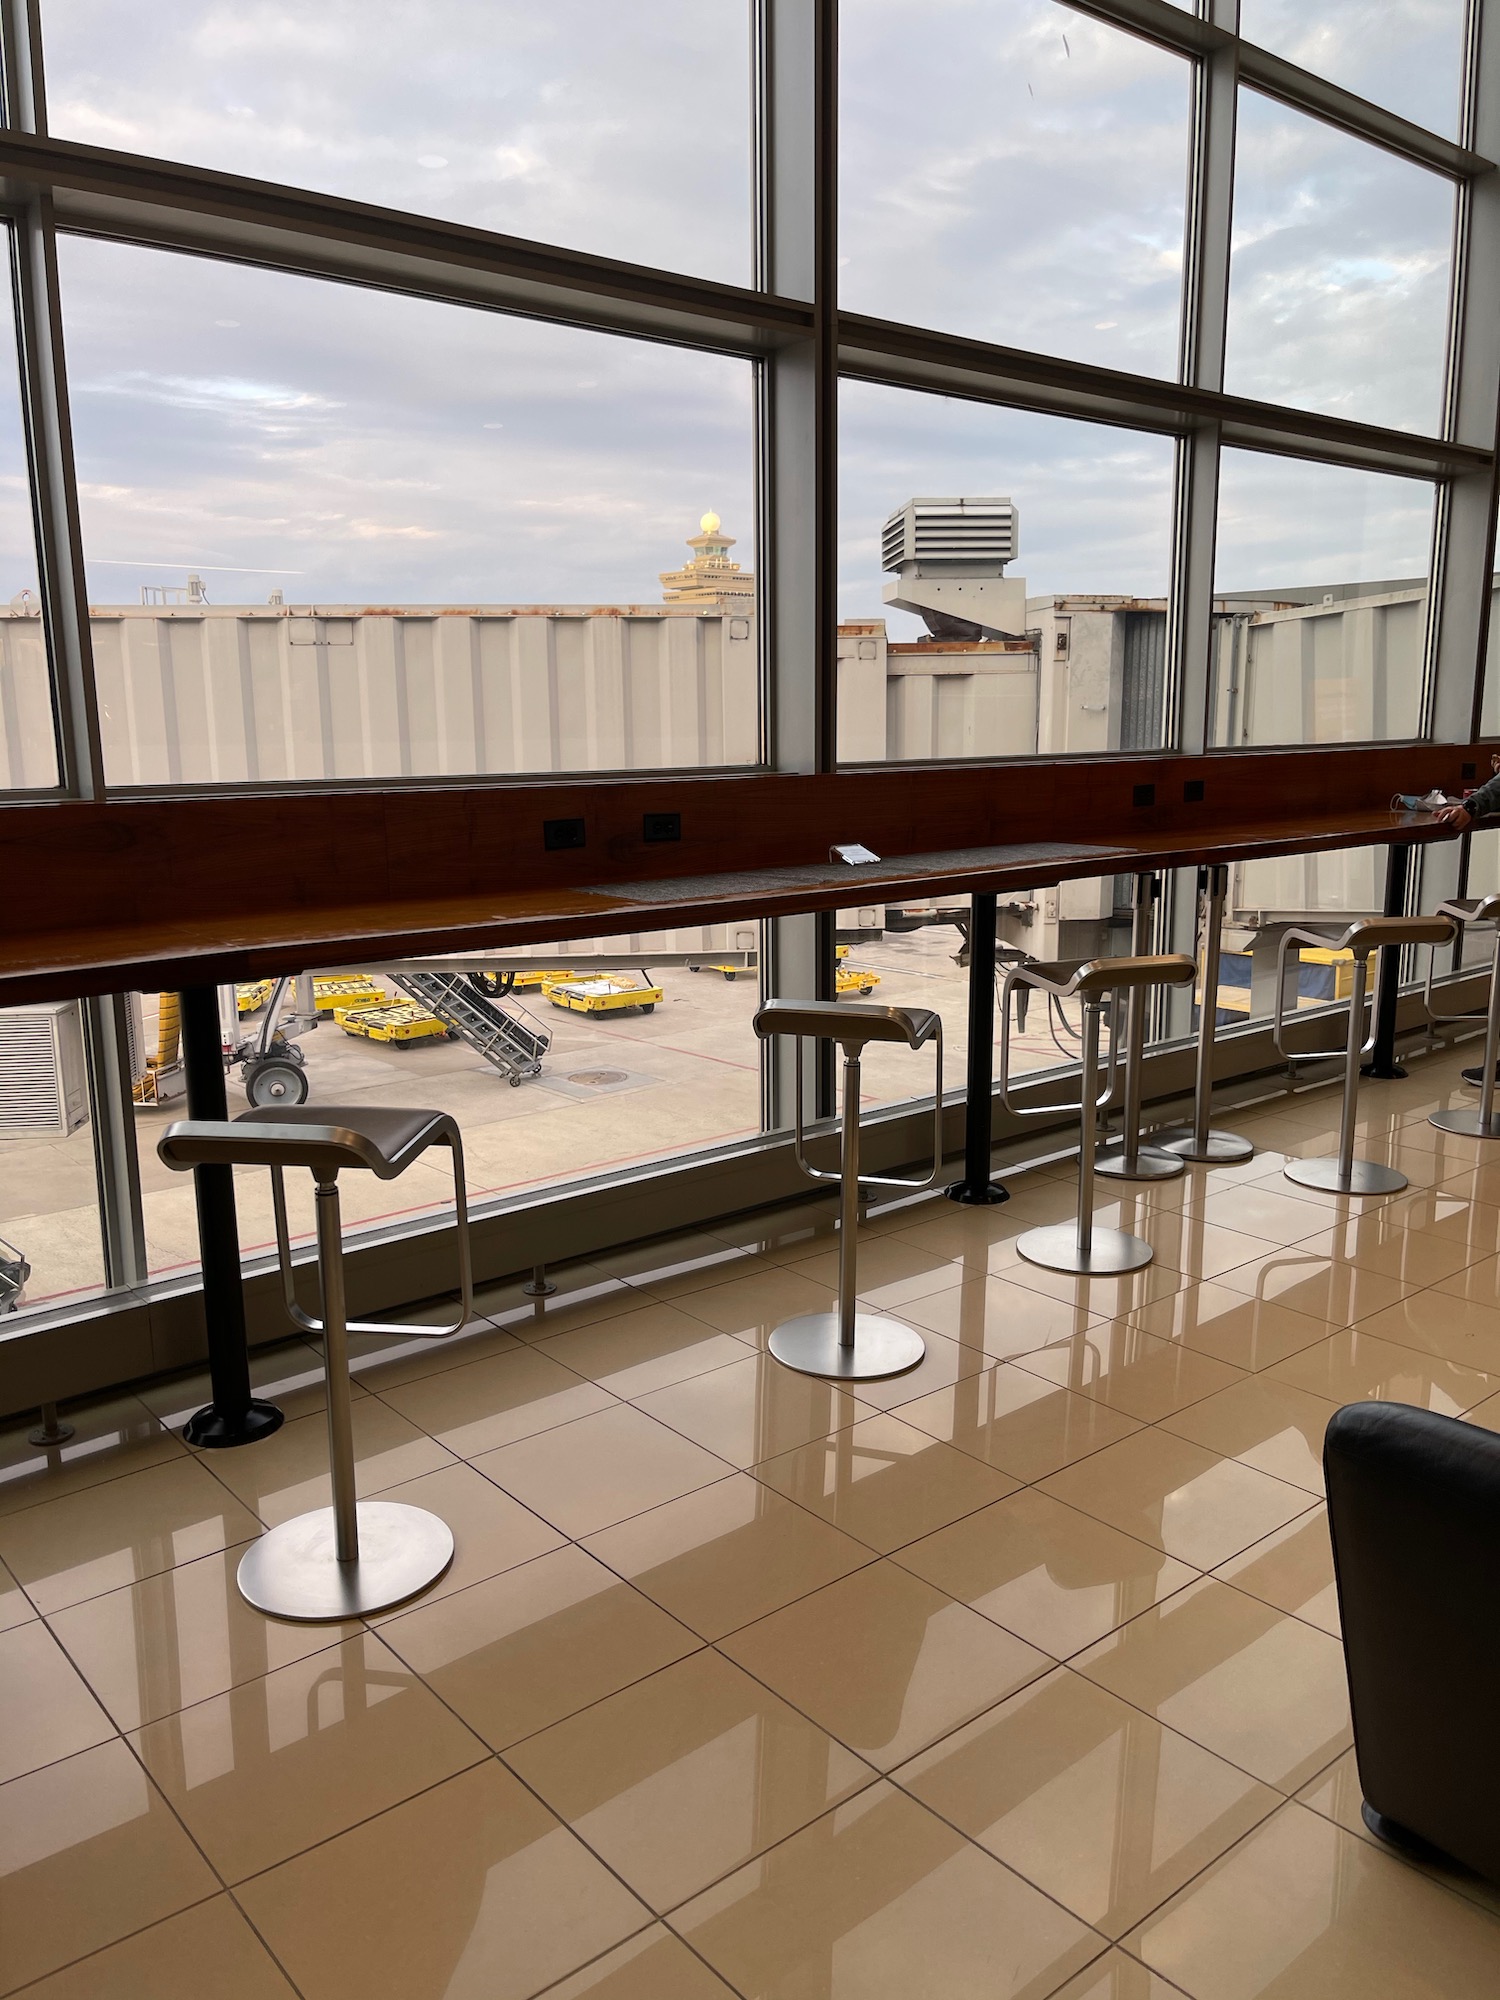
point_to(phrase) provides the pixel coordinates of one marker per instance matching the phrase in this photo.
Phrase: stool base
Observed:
(1111, 1251)
(1150, 1163)
(988, 1194)
(209, 1430)
(810, 1344)
(1471, 1123)
(292, 1571)
(1219, 1149)
(1365, 1176)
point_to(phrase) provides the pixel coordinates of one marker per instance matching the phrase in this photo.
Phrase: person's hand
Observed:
(1456, 817)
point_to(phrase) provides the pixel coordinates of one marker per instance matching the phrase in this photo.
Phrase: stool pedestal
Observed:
(1198, 1142)
(1125, 1158)
(1483, 1123)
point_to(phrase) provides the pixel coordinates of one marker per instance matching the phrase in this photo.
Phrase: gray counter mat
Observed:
(892, 871)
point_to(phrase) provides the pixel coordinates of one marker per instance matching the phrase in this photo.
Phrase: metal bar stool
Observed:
(1480, 1124)
(1125, 1158)
(849, 1345)
(354, 1557)
(1199, 1141)
(1080, 1247)
(1344, 1174)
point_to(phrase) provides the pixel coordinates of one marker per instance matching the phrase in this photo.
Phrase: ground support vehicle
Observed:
(507, 1038)
(605, 994)
(14, 1271)
(400, 1025)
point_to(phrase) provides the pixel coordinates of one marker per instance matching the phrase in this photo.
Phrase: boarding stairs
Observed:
(513, 1046)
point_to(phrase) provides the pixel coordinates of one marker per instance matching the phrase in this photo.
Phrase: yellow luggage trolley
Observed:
(604, 994)
(253, 995)
(400, 1026)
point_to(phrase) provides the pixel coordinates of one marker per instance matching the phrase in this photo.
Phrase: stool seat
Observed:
(1471, 909)
(1090, 977)
(1367, 934)
(834, 1021)
(325, 1138)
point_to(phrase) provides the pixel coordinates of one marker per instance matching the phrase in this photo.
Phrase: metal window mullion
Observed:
(1205, 318)
(797, 220)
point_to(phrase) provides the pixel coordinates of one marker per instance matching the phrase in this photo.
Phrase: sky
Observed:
(1009, 168)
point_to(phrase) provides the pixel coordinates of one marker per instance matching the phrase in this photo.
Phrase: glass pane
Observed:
(1014, 171)
(1404, 54)
(1267, 897)
(944, 650)
(28, 733)
(51, 1250)
(1320, 613)
(621, 130)
(1338, 278)
(336, 534)
(596, 1073)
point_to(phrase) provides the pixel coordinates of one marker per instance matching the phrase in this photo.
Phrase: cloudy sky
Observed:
(1009, 168)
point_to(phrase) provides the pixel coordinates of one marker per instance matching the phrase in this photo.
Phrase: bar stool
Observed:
(1480, 1124)
(1080, 1247)
(1344, 1174)
(849, 1345)
(1199, 1141)
(1125, 1158)
(354, 1557)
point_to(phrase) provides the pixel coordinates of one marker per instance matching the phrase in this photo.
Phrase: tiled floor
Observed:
(1016, 1676)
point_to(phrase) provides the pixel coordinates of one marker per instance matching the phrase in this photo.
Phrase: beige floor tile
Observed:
(491, 1403)
(1305, 1911)
(669, 1265)
(1486, 1414)
(752, 1307)
(89, 1852)
(977, 1241)
(1088, 1798)
(277, 1764)
(473, 1891)
(881, 1901)
(491, 1531)
(653, 1965)
(1443, 1323)
(999, 1318)
(1407, 1255)
(1261, 1209)
(890, 1271)
(1474, 1183)
(1103, 1298)
(1119, 1206)
(1212, 1319)
(587, 1475)
(208, 1945)
(637, 1352)
(1292, 1570)
(754, 1409)
(83, 1544)
(1116, 1364)
(944, 1361)
(113, 1437)
(381, 1362)
(1178, 1497)
(1056, 1578)
(1334, 1293)
(1269, 1425)
(1453, 1218)
(16, 1608)
(686, 1776)
(727, 1554)
(1356, 1366)
(884, 1662)
(1117, 1977)
(884, 1482)
(1337, 1794)
(46, 1711)
(1263, 1690)
(1200, 1249)
(535, 1644)
(178, 1638)
(1017, 1421)
(580, 1287)
(287, 1474)
(1478, 1281)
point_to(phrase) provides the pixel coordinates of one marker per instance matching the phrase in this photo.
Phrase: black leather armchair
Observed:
(1414, 1512)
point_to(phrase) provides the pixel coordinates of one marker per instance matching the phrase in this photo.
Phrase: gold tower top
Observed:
(709, 577)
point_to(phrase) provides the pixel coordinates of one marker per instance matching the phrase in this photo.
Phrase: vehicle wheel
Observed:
(515, 1082)
(729, 978)
(865, 991)
(690, 968)
(274, 1081)
(648, 1007)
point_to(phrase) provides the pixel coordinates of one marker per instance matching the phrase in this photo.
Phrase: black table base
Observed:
(976, 1189)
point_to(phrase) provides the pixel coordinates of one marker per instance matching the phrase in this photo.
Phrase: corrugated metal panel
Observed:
(1143, 682)
(43, 1087)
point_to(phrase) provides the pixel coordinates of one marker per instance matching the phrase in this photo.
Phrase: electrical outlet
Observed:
(560, 833)
(1192, 791)
(661, 826)
(1143, 795)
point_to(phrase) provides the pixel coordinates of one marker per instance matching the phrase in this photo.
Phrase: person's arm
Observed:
(1479, 805)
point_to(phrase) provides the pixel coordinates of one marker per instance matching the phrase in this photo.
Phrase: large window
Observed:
(336, 534)
(1405, 54)
(1014, 171)
(621, 130)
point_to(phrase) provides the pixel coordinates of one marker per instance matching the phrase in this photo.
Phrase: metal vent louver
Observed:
(43, 1085)
(933, 532)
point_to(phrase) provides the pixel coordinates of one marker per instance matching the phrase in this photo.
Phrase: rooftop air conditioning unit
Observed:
(43, 1077)
(936, 533)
